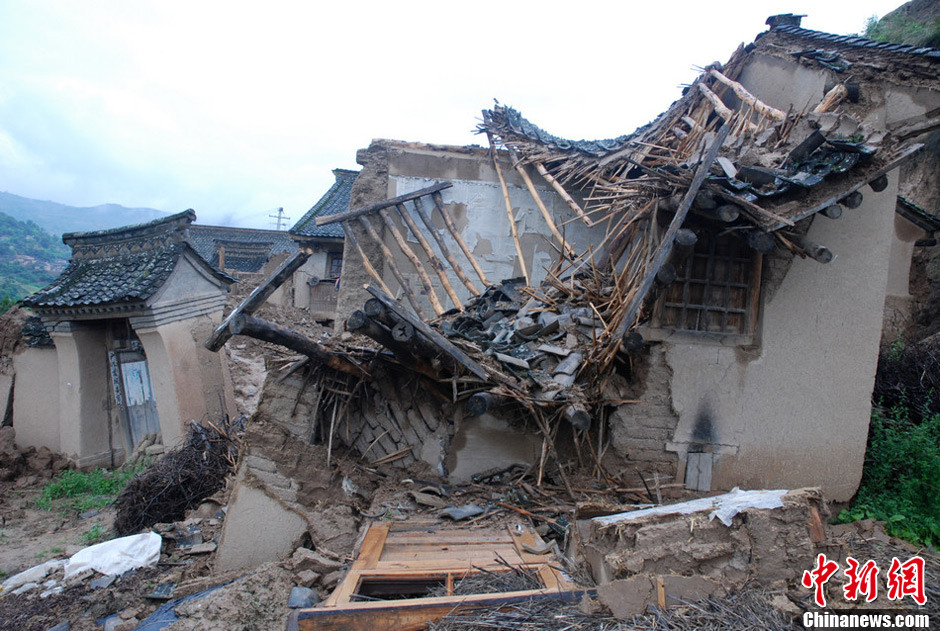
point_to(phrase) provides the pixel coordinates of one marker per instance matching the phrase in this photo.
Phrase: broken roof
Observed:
(335, 200)
(265, 243)
(124, 265)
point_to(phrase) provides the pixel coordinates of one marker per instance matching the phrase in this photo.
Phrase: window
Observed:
(334, 264)
(715, 291)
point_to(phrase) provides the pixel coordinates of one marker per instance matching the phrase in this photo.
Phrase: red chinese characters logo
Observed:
(907, 579)
(862, 580)
(819, 576)
(903, 579)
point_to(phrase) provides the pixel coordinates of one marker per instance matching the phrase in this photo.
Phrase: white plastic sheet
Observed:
(116, 556)
(32, 575)
(724, 507)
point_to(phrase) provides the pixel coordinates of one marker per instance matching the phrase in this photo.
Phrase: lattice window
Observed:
(716, 289)
(334, 264)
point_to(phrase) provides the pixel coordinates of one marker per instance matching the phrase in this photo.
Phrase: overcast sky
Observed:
(236, 108)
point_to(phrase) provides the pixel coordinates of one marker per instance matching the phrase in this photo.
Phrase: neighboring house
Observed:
(316, 284)
(761, 339)
(240, 250)
(124, 355)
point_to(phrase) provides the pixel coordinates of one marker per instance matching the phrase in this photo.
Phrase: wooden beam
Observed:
(415, 261)
(512, 220)
(455, 233)
(390, 260)
(365, 259)
(246, 324)
(439, 340)
(665, 245)
(567, 250)
(256, 298)
(573, 205)
(439, 238)
(436, 263)
(371, 208)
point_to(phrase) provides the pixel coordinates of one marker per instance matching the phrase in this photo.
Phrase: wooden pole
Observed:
(371, 208)
(439, 238)
(432, 257)
(390, 259)
(365, 260)
(762, 108)
(452, 228)
(256, 298)
(665, 245)
(573, 205)
(512, 220)
(567, 250)
(415, 261)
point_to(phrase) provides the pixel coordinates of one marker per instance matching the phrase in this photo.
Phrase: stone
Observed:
(307, 578)
(332, 579)
(302, 598)
(202, 548)
(62, 626)
(306, 559)
(155, 450)
(102, 582)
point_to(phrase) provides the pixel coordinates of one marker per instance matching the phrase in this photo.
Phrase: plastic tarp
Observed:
(116, 556)
(724, 507)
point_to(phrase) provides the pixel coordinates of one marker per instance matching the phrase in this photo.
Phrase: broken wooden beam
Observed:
(832, 212)
(853, 200)
(251, 326)
(566, 249)
(436, 338)
(351, 237)
(813, 250)
(359, 322)
(445, 251)
(371, 208)
(577, 415)
(390, 261)
(256, 298)
(879, 184)
(760, 240)
(512, 220)
(415, 261)
(435, 262)
(665, 244)
(483, 402)
(455, 233)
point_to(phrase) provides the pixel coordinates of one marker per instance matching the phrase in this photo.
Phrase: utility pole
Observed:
(280, 217)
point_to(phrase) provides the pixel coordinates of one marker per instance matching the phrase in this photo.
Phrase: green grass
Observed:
(74, 490)
(95, 534)
(901, 480)
(903, 30)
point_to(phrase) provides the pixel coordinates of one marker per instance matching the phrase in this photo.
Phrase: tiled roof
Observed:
(35, 334)
(238, 243)
(336, 200)
(860, 42)
(120, 265)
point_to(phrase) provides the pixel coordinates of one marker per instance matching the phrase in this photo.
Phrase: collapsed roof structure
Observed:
(665, 300)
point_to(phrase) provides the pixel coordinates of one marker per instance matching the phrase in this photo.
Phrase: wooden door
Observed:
(135, 395)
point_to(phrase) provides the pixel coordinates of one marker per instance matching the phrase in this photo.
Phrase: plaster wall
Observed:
(240, 545)
(190, 382)
(35, 413)
(83, 394)
(794, 412)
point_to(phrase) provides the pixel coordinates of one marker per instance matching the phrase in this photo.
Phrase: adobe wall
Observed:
(36, 413)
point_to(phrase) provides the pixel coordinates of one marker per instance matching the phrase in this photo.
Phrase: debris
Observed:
(117, 555)
(181, 480)
(306, 559)
(302, 598)
(32, 575)
(459, 513)
(103, 581)
(202, 548)
(163, 591)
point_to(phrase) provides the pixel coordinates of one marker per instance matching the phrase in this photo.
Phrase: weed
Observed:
(55, 551)
(3, 574)
(85, 491)
(95, 534)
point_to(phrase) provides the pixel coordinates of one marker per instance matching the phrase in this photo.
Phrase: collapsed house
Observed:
(699, 301)
(115, 353)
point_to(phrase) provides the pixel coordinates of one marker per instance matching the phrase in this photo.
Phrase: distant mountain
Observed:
(59, 218)
(30, 257)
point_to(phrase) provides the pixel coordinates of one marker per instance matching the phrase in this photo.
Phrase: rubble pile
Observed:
(186, 476)
(30, 464)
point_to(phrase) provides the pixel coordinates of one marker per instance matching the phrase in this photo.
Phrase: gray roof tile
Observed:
(336, 200)
(239, 244)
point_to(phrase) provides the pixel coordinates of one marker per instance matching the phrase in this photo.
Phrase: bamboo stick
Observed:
(436, 263)
(509, 215)
(415, 261)
(390, 259)
(452, 228)
(833, 97)
(567, 250)
(573, 205)
(439, 238)
(365, 260)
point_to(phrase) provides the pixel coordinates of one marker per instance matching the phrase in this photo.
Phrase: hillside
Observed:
(30, 258)
(916, 23)
(60, 218)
